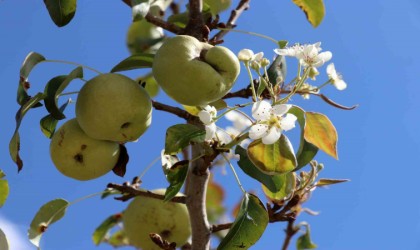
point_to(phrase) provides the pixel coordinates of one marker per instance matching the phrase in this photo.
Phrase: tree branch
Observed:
(173, 110)
(234, 15)
(195, 26)
(290, 232)
(159, 22)
(221, 227)
(196, 189)
(131, 192)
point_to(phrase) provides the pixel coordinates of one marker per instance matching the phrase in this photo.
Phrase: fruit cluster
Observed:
(110, 109)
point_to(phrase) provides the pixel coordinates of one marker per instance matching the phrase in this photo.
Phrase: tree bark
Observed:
(196, 190)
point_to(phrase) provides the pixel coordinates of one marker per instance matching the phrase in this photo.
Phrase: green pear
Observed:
(146, 215)
(194, 73)
(217, 6)
(80, 157)
(144, 37)
(113, 107)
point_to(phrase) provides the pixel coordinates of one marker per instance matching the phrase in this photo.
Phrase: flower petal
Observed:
(331, 70)
(281, 109)
(272, 136)
(261, 110)
(258, 131)
(325, 57)
(210, 131)
(288, 122)
(205, 117)
(245, 55)
(258, 56)
(340, 84)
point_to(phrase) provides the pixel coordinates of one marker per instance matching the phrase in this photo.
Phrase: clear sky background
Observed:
(375, 47)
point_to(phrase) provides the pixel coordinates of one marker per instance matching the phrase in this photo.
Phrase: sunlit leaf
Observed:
(14, 144)
(61, 11)
(306, 151)
(48, 214)
(4, 244)
(326, 182)
(179, 136)
(137, 61)
(31, 60)
(55, 87)
(313, 9)
(176, 175)
(121, 166)
(321, 132)
(304, 241)
(270, 181)
(276, 158)
(248, 226)
(102, 230)
(287, 184)
(48, 123)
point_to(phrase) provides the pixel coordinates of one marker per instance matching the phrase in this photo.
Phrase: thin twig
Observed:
(290, 232)
(242, 6)
(131, 192)
(220, 227)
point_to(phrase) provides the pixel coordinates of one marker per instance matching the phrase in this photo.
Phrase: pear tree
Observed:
(181, 46)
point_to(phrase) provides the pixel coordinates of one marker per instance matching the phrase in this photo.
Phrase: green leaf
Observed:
(276, 158)
(48, 123)
(61, 11)
(248, 226)
(55, 87)
(314, 10)
(325, 182)
(47, 215)
(102, 230)
(270, 181)
(137, 61)
(31, 60)
(179, 136)
(14, 144)
(320, 131)
(277, 70)
(176, 177)
(306, 151)
(304, 241)
(4, 244)
(287, 183)
(180, 19)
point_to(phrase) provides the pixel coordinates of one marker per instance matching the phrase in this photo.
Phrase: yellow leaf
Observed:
(320, 131)
(314, 10)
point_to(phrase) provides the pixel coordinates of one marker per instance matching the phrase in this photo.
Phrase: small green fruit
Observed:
(217, 6)
(113, 107)
(146, 215)
(80, 157)
(144, 37)
(194, 73)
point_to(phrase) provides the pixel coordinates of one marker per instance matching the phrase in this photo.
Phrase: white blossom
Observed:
(309, 55)
(271, 121)
(207, 116)
(336, 78)
(246, 55)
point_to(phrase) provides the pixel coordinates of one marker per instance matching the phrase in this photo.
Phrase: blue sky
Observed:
(375, 47)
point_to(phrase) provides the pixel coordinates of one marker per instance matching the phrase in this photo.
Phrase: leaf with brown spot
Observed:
(121, 165)
(49, 213)
(31, 60)
(102, 230)
(320, 131)
(313, 9)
